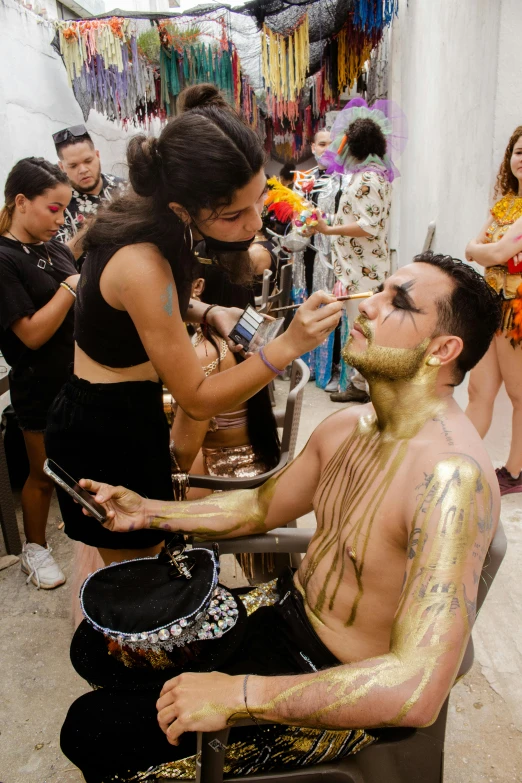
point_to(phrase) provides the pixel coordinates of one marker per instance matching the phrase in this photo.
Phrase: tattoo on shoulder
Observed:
(166, 299)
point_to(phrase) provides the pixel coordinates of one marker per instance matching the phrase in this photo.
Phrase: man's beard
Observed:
(376, 361)
(86, 191)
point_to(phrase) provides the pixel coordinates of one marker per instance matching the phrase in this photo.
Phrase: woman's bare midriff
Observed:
(89, 370)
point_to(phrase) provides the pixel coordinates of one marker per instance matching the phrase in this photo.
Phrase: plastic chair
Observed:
(289, 419)
(282, 297)
(401, 755)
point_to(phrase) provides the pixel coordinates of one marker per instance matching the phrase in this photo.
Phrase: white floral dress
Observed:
(362, 263)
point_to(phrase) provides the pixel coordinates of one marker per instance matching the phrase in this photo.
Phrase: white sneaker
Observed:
(40, 565)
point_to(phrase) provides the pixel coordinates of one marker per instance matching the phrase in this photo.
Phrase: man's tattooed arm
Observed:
(432, 624)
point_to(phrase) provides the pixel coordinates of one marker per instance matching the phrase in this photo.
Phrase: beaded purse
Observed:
(162, 602)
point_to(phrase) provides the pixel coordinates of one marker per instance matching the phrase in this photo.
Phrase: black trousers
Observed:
(112, 733)
(112, 432)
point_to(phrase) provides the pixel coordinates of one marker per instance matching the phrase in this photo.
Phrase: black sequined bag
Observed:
(161, 602)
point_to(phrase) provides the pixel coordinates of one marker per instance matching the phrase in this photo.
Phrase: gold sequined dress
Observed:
(504, 213)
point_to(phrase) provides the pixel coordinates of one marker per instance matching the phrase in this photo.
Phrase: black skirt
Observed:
(116, 433)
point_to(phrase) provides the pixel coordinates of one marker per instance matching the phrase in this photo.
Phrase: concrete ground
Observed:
(38, 683)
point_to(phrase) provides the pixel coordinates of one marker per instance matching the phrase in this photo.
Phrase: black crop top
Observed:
(106, 335)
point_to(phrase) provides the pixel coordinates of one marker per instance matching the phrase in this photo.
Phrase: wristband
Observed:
(207, 311)
(68, 288)
(261, 354)
(249, 713)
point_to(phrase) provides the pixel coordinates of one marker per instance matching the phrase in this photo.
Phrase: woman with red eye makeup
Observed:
(38, 281)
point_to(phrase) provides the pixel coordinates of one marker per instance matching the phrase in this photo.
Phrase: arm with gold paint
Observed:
(450, 533)
(220, 515)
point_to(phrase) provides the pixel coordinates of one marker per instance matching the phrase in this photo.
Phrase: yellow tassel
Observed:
(291, 68)
(284, 82)
(284, 61)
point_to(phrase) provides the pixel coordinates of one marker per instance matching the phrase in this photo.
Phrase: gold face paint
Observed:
(378, 361)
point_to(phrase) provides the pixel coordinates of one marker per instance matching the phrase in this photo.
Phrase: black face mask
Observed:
(218, 246)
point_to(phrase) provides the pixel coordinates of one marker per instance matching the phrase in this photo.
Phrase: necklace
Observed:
(42, 262)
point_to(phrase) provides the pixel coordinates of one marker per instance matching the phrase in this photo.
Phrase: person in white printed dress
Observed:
(359, 234)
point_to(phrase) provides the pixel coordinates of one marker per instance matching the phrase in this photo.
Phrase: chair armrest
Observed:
(281, 539)
(212, 746)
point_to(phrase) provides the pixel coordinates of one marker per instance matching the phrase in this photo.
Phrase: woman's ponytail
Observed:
(6, 218)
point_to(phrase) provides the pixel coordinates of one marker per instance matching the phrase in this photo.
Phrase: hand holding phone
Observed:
(71, 486)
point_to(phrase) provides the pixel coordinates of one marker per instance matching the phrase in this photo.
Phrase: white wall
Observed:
(461, 93)
(36, 100)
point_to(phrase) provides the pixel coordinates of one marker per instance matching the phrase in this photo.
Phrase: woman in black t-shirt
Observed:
(38, 281)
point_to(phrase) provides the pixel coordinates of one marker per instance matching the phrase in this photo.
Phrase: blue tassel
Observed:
(374, 15)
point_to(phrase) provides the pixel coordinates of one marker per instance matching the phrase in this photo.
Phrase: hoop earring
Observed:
(190, 235)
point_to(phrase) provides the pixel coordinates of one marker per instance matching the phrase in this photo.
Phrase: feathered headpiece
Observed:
(391, 120)
(282, 201)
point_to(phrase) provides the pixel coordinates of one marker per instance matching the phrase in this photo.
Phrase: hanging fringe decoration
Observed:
(373, 15)
(106, 72)
(284, 63)
(200, 62)
(354, 47)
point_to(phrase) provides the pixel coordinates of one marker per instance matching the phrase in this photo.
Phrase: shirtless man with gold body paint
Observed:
(406, 501)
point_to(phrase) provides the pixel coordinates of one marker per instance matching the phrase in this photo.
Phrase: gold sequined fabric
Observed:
(502, 281)
(271, 747)
(262, 595)
(504, 213)
(233, 462)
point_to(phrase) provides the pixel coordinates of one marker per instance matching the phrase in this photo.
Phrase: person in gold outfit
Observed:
(495, 248)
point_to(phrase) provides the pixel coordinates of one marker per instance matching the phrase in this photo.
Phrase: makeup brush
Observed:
(364, 295)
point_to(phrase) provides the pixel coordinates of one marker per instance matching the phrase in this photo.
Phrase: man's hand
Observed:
(125, 509)
(199, 702)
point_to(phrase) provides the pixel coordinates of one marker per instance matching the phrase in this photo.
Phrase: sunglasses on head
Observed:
(69, 133)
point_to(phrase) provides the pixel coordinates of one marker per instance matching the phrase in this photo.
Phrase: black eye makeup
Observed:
(402, 301)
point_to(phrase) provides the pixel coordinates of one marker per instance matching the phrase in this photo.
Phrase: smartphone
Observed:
(252, 331)
(67, 483)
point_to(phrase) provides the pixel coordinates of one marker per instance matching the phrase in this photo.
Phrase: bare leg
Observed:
(485, 381)
(510, 360)
(37, 491)
(117, 555)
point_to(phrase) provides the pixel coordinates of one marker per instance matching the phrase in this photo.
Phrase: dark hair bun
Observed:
(142, 157)
(201, 95)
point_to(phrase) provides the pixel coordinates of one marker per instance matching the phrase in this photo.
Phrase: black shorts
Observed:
(116, 433)
(32, 397)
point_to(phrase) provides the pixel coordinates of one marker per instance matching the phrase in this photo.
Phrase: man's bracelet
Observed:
(250, 715)
(269, 364)
(68, 288)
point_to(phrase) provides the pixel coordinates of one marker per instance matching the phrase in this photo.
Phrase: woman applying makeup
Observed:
(202, 180)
